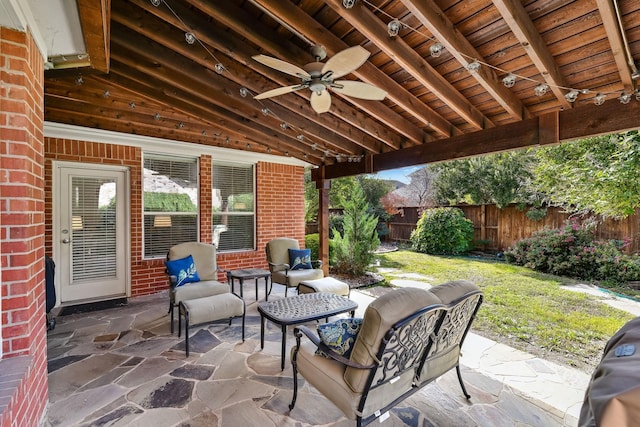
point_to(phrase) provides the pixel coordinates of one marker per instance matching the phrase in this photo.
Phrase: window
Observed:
(170, 203)
(234, 206)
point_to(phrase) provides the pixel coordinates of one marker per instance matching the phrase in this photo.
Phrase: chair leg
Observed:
(186, 332)
(464, 390)
(295, 379)
(171, 308)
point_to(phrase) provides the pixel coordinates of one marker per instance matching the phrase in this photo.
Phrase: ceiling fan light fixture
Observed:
(436, 49)
(394, 27)
(509, 80)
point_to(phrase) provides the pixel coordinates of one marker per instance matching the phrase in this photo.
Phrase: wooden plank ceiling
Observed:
(150, 80)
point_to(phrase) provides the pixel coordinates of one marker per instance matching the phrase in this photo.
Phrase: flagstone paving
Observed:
(123, 367)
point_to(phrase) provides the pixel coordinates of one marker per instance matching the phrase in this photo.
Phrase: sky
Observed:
(398, 174)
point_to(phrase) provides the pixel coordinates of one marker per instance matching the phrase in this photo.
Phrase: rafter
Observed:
(265, 38)
(523, 28)
(288, 12)
(95, 17)
(618, 47)
(433, 18)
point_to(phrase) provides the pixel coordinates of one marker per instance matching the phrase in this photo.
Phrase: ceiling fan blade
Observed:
(321, 103)
(359, 90)
(346, 61)
(278, 91)
(283, 66)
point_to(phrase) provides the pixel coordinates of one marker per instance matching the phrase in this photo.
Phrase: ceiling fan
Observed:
(319, 77)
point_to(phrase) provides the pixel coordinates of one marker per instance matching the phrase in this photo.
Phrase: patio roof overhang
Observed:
(144, 77)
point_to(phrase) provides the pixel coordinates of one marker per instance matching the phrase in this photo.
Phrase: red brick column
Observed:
(23, 368)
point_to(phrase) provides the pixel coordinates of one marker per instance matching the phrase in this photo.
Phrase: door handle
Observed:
(66, 241)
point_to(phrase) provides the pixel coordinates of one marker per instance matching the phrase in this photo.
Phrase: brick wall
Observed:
(280, 206)
(23, 368)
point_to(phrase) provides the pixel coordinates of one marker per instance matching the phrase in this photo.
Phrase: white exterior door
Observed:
(90, 232)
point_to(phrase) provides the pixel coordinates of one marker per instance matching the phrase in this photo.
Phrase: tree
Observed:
(597, 174)
(311, 199)
(353, 250)
(500, 179)
(422, 187)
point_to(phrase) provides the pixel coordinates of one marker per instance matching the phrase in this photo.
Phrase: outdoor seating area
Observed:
(123, 366)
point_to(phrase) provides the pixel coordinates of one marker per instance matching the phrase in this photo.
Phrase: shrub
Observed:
(312, 242)
(573, 251)
(353, 249)
(442, 231)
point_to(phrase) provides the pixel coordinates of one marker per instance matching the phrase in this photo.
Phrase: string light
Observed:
(190, 38)
(106, 94)
(244, 92)
(394, 27)
(510, 78)
(219, 68)
(541, 89)
(156, 3)
(436, 49)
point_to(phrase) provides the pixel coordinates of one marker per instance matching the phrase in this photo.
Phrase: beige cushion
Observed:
(278, 251)
(204, 257)
(296, 276)
(216, 307)
(379, 316)
(201, 289)
(451, 291)
(326, 284)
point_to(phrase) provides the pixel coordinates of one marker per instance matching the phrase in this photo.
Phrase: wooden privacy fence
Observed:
(497, 229)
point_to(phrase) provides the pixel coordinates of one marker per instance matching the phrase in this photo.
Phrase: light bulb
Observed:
(509, 80)
(436, 49)
(541, 89)
(393, 27)
(348, 4)
(473, 66)
(572, 95)
(219, 68)
(625, 98)
(244, 92)
(190, 38)
(599, 99)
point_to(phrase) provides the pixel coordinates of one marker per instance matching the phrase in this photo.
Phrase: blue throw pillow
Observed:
(300, 259)
(339, 336)
(184, 269)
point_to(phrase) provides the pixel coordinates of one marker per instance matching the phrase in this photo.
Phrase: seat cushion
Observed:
(201, 289)
(215, 307)
(296, 276)
(326, 284)
(379, 316)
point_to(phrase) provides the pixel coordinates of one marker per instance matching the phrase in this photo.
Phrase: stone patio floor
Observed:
(122, 367)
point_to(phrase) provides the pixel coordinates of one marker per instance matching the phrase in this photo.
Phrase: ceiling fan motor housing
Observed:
(316, 83)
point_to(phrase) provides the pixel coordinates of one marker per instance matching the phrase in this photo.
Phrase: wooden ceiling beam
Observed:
(522, 26)
(310, 28)
(319, 127)
(95, 18)
(434, 19)
(554, 127)
(176, 96)
(265, 38)
(174, 70)
(368, 24)
(619, 47)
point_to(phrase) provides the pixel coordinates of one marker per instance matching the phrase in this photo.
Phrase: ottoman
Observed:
(210, 309)
(326, 284)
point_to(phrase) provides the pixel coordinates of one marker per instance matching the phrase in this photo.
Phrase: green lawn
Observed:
(523, 308)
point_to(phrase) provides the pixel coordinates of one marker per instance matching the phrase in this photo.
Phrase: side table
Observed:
(250, 273)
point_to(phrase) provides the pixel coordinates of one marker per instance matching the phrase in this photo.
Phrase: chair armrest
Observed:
(298, 331)
(272, 265)
(316, 263)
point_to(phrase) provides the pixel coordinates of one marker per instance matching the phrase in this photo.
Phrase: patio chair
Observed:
(282, 267)
(407, 338)
(206, 285)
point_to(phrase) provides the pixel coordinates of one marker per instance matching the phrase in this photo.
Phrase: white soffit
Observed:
(162, 146)
(60, 26)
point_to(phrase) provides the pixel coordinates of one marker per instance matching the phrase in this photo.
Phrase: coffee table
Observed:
(250, 273)
(303, 308)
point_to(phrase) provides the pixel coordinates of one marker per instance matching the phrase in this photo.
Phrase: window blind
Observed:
(170, 203)
(233, 205)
